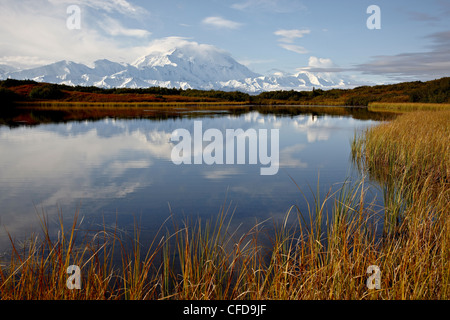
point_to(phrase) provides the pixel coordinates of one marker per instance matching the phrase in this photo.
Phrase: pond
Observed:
(119, 171)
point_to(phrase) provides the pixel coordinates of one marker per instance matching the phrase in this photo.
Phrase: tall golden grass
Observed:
(415, 146)
(410, 157)
(406, 106)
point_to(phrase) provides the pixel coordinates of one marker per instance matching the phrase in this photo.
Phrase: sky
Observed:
(411, 43)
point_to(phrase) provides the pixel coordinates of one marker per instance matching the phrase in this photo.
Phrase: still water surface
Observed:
(116, 171)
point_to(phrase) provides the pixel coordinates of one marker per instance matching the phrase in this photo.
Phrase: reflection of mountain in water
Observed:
(15, 117)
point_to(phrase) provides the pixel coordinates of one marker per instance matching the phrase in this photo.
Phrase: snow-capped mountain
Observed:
(197, 69)
(187, 66)
(5, 69)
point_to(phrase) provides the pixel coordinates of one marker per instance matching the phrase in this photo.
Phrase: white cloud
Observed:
(406, 66)
(119, 6)
(294, 48)
(115, 28)
(220, 22)
(289, 36)
(169, 43)
(34, 33)
(315, 62)
(24, 61)
(277, 6)
(322, 66)
(250, 62)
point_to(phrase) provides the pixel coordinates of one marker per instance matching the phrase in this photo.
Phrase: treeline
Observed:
(233, 96)
(162, 91)
(435, 91)
(151, 90)
(7, 96)
(301, 95)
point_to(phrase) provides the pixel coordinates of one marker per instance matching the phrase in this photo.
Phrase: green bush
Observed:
(8, 83)
(361, 100)
(436, 91)
(225, 95)
(47, 91)
(7, 96)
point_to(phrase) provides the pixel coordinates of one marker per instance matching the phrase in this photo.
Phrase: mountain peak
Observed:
(201, 66)
(154, 60)
(167, 52)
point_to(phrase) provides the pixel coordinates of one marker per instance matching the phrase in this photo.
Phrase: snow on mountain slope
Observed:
(5, 69)
(190, 64)
(58, 72)
(184, 65)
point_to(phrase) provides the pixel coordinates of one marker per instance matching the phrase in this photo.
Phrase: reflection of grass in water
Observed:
(48, 112)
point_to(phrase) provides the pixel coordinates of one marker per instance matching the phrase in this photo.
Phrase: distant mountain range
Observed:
(185, 66)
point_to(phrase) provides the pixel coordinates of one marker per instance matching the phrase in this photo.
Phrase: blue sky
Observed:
(286, 35)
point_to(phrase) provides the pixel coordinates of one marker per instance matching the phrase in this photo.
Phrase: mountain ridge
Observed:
(190, 66)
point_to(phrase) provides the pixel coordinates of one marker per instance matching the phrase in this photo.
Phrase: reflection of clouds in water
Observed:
(316, 129)
(47, 155)
(219, 174)
(118, 168)
(252, 117)
(313, 135)
(71, 192)
(256, 117)
(289, 156)
(243, 190)
(157, 143)
(47, 168)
